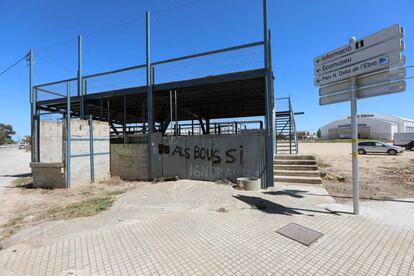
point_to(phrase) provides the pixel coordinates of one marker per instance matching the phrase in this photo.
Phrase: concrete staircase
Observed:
(299, 169)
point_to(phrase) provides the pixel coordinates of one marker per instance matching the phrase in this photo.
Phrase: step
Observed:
(294, 162)
(296, 173)
(299, 179)
(296, 167)
(286, 185)
(295, 157)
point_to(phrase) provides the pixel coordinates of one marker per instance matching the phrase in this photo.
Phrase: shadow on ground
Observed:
(271, 207)
(17, 175)
(301, 193)
(267, 206)
(292, 193)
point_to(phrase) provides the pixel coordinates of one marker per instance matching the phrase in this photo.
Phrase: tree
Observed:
(6, 133)
(319, 134)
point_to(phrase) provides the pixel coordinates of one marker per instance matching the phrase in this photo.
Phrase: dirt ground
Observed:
(150, 200)
(381, 176)
(29, 217)
(24, 206)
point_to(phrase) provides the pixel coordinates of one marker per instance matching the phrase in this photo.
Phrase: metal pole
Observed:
(171, 108)
(269, 105)
(290, 127)
(68, 136)
(149, 95)
(101, 109)
(125, 119)
(144, 129)
(32, 106)
(37, 133)
(272, 91)
(80, 83)
(30, 58)
(109, 111)
(91, 151)
(354, 125)
(175, 115)
(85, 86)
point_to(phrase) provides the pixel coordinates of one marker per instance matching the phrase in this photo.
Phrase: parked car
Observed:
(378, 147)
(22, 146)
(404, 139)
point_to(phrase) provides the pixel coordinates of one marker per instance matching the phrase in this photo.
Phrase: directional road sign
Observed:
(371, 40)
(361, 69)
(364, 67)
(370, 91)
(387, 75)
(389, 46)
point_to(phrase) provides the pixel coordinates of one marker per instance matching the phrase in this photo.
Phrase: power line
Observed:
(14, 64)
(121, 24)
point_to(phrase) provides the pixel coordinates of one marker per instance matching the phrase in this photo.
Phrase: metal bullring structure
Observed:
(152, 107)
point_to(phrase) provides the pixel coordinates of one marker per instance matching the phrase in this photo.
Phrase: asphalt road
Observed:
(13, 163)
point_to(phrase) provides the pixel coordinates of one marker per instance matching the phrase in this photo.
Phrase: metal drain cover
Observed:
(300, 233)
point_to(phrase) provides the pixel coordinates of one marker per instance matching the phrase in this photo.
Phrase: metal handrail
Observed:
(294, 127)
(293, 141)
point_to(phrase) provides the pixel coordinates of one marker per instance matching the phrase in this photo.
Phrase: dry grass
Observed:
(86, 208)
(31, 206)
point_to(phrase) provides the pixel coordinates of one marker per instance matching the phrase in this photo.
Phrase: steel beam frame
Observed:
(150, 81)
(269, 142)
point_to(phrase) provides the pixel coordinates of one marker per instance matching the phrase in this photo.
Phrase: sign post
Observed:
(376, 62)
(354, 126)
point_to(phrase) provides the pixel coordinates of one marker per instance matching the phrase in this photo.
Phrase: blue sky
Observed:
(114, 36)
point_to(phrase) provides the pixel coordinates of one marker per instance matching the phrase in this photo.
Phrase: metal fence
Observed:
(239, 58)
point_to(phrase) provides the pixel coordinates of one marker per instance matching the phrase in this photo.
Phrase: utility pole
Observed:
(32, 107)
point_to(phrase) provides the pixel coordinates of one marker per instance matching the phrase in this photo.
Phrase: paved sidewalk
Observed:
(378, 242)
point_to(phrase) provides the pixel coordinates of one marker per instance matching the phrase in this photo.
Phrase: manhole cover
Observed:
(300, 233)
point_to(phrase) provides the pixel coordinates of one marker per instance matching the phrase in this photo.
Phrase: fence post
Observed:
(68, 136)
(80, 82)
(269, 105)
(91, 151)
(149, 96)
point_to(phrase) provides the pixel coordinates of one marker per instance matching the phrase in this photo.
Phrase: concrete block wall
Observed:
(80, 166)
(50, 171)
(210, 157)
(51, 143)
(47, 175)
(129, 161)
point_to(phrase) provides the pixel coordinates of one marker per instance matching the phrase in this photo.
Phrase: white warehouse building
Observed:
(370, 126)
